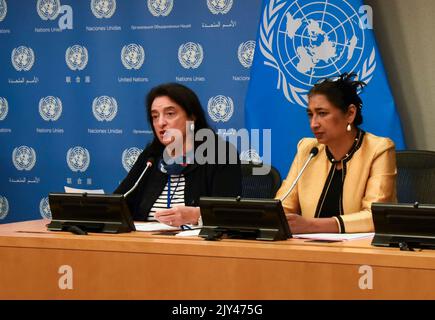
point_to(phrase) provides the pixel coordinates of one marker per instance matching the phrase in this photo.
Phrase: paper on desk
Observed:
(75, 190)
(189, 233)
(153, 226)
(333, 236)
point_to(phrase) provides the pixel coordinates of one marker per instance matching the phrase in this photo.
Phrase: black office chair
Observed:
(259, 186)
(415, 176)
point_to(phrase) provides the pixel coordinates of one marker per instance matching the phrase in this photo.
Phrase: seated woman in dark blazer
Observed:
(170, 190)
(352, 169)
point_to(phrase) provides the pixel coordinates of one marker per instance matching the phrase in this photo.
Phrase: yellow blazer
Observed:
(371, 177)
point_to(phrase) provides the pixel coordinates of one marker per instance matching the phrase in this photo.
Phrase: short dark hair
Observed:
(341, 92)
(184, 97)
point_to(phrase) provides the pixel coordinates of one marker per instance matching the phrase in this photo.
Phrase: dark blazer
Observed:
(209, 179)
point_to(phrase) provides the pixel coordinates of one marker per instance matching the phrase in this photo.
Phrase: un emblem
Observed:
(129, 157)
(132, 56)
(311, 42)
(24, 158)
(48, 9)
(103, 8)
(220, 108)
(4, 108)
(76, 57)
(50, 108)
(104, 108)
(44, 208)
(250, 155)
(246, 53)
(190, 55)
(3, 9)
(78, 159)
(4, 207)
(219, 6)
(22, 58)
(160, 7)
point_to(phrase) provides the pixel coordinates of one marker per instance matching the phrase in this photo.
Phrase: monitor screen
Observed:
(260, 219)
(90, 212)
(399, 224)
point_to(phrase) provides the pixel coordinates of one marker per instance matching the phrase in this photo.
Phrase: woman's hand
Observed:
(178, 215)
(300, 224)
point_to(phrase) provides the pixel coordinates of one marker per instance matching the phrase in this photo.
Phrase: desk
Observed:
(143, 266)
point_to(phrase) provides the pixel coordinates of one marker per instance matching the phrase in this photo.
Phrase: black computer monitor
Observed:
(89, 212)
(260, 219)
(404, 225)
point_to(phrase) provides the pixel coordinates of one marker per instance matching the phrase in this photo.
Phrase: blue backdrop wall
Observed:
(74, 75)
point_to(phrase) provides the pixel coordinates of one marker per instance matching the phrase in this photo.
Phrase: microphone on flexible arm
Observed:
(314, 151)
(149, 164)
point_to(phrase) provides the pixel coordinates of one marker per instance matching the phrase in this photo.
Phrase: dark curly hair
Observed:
(341, 92)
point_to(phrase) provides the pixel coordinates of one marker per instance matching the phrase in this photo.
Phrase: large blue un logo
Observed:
(317, 41)
(314, 40)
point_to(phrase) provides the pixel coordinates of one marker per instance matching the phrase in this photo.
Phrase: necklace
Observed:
(355, 146)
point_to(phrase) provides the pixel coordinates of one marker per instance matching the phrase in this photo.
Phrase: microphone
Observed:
(150, 163)
(314, 151)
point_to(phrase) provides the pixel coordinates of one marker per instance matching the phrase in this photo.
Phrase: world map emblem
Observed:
(24, 158)
(245, 53)
(44, 208)
(132, 56)
(50, 108)
(4, 108)
(309, 41)
(103, 8)
(3, 9)
(4, 207)
(22, 58)
(160, 7)
(219, 6)
(78, 159)
(190, 55)
(220, 108)
(48, 9)
(104, 108)
(76, 57)
(129, 157)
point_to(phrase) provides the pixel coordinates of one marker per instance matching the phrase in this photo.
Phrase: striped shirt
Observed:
(176, 196)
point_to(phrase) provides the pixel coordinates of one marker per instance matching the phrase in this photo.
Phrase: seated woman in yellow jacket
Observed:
(352, 169)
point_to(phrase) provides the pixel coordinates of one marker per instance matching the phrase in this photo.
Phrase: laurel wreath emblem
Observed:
(4, 207)
(44, 208)
(369, 66)
(292, 93)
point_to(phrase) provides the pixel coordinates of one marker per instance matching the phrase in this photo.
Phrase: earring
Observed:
(348, 128)
(192, 126)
